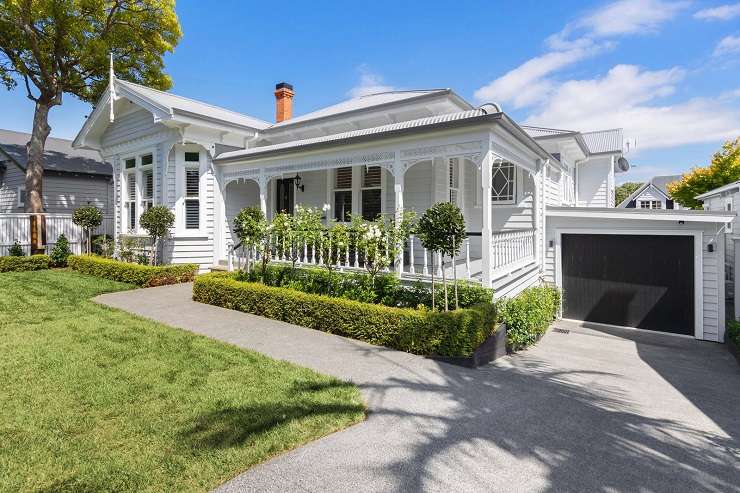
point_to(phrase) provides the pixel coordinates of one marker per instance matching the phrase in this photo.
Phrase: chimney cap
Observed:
(283, 85)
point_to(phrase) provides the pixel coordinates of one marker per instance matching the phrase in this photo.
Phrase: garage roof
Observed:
(643, 214)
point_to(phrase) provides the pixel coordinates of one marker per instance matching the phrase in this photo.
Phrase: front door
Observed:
(285, 197)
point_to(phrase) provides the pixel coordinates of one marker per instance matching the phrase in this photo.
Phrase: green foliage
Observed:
(624, 190)
(103, 245)
(63, 47)
(724, 169)
(385, 289)
(528, 315)
(452, 334)
(16, 250)
(60, 252)
(157, 221)
(131, 247)
(20, 264)
(140, 275)
(733, 331)
(88, 218)
(442, 228)
(250, 226)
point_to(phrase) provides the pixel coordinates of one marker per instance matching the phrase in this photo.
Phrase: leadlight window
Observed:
(503, 183)
(343, 194)
(371, 192)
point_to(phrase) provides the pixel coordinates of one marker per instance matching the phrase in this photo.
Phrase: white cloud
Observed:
(721, 13)
(728, 45)
(617, 19)
(370, 83)
(626, 97)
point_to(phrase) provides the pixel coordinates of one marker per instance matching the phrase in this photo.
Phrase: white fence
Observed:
(511, 250)
(17, 228)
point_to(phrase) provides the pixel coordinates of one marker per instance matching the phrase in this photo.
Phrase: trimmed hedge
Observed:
(140, 275)
(452, 334)
(387, 289)
(22, 264)
(733, 331)
(528, 315)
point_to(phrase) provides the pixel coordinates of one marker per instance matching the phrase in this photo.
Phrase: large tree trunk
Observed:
(35, 153)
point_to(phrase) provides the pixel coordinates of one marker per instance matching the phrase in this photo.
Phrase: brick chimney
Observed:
(283, 101)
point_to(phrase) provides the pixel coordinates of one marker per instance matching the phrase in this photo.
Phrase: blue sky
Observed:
(668, 72)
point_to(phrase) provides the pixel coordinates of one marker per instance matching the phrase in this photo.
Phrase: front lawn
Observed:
(95, 399)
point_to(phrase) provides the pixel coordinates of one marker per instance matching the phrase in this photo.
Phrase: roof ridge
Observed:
(536, 127)
(193, 100)
(29, 134)
(621, 129)
(399, 91)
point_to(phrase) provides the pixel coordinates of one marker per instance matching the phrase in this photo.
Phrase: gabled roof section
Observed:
(604, 141)
(536, 132)
(730, 187)
(174, 104)
(657, 183)
(368, 102)
(59, 155)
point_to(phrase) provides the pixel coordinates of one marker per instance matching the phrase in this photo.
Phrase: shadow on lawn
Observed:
(574, 432)
(235, 426)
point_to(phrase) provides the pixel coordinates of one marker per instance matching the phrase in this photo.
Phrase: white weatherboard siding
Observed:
(712, 265)
(594, 187)
(129, 126)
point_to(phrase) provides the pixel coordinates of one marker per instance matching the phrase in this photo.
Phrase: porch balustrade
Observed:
(511, 250)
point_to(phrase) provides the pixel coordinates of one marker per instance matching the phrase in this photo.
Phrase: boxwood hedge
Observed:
(453, 334)
(18, 264)
(140, 275)
(528, 315)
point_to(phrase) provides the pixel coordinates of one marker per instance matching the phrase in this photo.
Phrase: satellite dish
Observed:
(490, 108)
(622, 165)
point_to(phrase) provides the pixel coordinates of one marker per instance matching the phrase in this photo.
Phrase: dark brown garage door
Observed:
(630, 280)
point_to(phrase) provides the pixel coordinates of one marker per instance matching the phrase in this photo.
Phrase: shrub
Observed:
(140, 275)
(386, 288)
(103, 245)
(16, 250)
(733, 331)
(157, 221)
(19, 264)
(88, 218)
(528, 315)
(451, 334)
(60, 252)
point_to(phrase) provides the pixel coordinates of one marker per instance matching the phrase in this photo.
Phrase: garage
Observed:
(644, 281)
(660, 270)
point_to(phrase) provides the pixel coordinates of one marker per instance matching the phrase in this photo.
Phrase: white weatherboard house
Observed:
(538, 202)
(652, 194)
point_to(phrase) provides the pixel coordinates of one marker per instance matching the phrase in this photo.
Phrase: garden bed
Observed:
(454, 334)
(139, 275)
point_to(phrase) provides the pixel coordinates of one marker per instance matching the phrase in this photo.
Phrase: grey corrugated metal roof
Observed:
(604, 140)
(175, 102)
(535, 132)
(661, 182)
(59, 155)
(359, 103)
(296, 144)
(718, 190)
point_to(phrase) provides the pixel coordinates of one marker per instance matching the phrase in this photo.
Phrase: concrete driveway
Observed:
(586, 410)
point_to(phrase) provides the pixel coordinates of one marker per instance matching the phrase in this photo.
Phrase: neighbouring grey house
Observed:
(72, 177)
(653, 194)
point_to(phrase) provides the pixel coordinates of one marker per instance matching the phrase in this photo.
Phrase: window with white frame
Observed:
(728, 208)
(650, 204)
(147, 182)
(371, 194)
(503, 183)
(453, 184)
(192, 190)
(129, 206)
(343, 194)
(21, 196)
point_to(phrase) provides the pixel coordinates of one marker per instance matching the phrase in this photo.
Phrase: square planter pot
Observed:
(492, 349)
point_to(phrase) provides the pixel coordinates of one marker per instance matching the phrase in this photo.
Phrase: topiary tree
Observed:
(16, 250)
(157, 221)
(441, 229)
(252, 229)
(88, 218)
(60, 252)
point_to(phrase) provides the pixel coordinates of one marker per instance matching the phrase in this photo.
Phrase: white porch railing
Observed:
(511, 250)
(17, 227)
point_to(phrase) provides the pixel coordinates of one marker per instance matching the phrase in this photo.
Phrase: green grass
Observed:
(95, 399)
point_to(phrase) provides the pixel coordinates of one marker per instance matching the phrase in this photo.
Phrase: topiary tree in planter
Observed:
(252, 229)
(441, 229)
(157, 221)
(88, 218)
(61, 252)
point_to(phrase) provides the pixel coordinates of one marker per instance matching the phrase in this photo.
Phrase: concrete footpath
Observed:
(585, 410)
